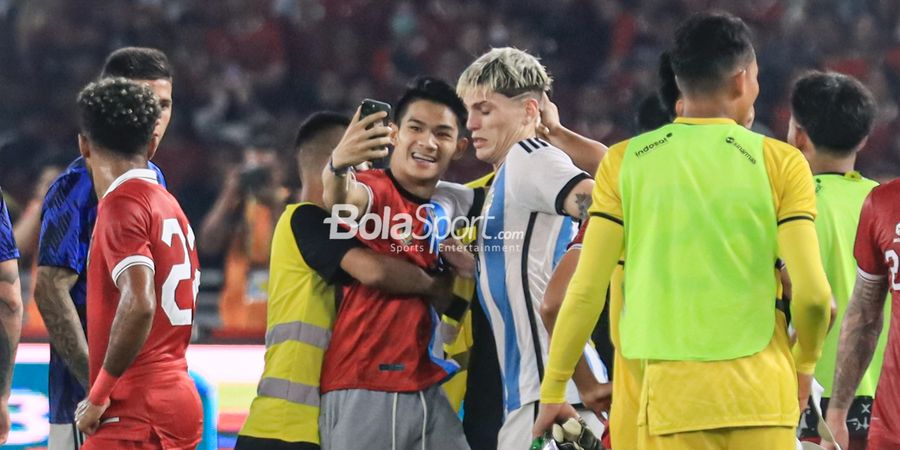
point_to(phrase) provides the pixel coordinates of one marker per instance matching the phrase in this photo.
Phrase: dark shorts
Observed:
(858, 418)
(254, 443)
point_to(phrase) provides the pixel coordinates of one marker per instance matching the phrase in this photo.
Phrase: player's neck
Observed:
(517, 136)
(312, 193)
(423, 189)
(105, 170)
(823, 162)
(709, 107)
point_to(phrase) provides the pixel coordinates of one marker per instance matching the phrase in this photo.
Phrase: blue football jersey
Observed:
(67, 221)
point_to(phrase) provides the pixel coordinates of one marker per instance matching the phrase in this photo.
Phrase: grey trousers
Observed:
(371, 420)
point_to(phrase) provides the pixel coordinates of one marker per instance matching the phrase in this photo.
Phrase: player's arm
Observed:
(358, 145)
(578, 201)
(129, 330)
(340, 260)
(10, 328)
(584, 301)
(860, 331)
(134, 316)
(798, 246)
(60, 260)
(586, 153)
(594, 395)
(54, 301)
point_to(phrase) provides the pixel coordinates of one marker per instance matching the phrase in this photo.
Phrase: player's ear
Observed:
(84, 146)
(461, 145)
(152, 145)
(532, 110)
(739, 82)
(862, 143)
(797, 135)
(395, 131)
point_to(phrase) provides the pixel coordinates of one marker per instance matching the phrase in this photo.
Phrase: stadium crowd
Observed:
(248, 69)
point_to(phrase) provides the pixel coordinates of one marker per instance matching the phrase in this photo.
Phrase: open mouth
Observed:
(479, 142)
(423, 158)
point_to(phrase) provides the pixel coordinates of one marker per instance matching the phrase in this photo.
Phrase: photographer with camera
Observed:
(240, 226)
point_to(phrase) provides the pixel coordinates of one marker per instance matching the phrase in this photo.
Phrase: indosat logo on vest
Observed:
(401, 227)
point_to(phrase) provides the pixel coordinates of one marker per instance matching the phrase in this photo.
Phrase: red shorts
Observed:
(154, 411)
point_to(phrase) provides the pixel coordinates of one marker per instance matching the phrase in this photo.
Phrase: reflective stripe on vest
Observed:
(303, 394)
(298, 331)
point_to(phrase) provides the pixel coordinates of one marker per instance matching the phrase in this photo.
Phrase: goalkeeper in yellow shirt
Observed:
(702, 208)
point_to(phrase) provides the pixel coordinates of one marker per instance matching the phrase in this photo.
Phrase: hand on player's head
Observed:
(365, 139)
(549, 117)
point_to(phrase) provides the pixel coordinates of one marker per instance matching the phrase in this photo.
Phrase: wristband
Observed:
(102, 387)
(340, 172)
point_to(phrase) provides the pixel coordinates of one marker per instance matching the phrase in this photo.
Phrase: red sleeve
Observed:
(123, 233)
(380, 189)
(579, 238)
(869, 255)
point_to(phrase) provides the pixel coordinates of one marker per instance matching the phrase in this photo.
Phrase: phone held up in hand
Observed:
(367, 108)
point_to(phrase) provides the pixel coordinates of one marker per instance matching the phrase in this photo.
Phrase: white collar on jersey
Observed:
(147, 175)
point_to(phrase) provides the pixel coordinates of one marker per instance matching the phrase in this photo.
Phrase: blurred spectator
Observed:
(239, 227)
(28, 225)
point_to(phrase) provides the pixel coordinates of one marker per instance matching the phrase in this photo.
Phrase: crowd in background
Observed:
(248, 71)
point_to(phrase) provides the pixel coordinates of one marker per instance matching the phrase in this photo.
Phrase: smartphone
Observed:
(368, 107)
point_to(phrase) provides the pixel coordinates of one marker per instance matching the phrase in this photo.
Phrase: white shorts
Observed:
(516, 430)
(65, 436)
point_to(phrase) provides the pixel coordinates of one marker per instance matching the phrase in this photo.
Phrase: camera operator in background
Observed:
(239, 228)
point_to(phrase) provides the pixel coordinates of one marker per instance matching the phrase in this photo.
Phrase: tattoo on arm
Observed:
(584, 203)
(61, 318)
(859, 335)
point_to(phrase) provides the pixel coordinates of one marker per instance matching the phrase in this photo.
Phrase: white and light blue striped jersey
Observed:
(522, 236)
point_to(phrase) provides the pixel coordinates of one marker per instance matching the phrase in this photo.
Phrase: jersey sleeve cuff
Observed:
(371, 199)
(560, 202)
(6, 256)
(131, 261)
(794, 218)
(553, 388)
(869, 276)
(608, 217)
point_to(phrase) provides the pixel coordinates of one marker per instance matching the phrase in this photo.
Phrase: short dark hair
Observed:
(668, 88)
(836, 110)
(433, 90)
(118, 115)
(318, 122)
(708, 47)
(137, 63)
(652, 114)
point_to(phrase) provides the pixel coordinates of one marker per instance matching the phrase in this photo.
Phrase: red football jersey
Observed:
(877, 249)
(140, 223)
(385, 342)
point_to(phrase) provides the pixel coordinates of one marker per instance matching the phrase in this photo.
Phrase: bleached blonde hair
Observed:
(508, 71)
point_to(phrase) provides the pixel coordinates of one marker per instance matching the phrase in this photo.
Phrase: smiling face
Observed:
(425, 141)
(496, 122)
